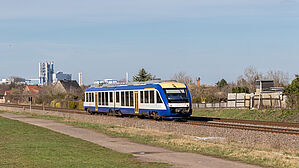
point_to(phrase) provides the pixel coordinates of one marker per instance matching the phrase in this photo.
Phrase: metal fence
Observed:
(209, 105)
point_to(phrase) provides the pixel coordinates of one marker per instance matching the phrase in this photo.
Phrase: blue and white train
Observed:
(163, 100)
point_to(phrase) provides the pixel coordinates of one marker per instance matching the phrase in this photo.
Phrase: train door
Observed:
(117, 104)
(96, 101)
(111, 100)
(114, 99)
(136, 102)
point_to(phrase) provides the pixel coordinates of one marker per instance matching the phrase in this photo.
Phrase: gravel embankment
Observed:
(248, 138)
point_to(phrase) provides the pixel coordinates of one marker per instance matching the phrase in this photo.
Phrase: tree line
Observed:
(245, 83)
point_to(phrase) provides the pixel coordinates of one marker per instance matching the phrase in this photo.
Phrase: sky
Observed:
(210, 39)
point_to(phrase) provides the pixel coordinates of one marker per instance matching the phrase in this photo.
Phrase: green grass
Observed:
(246, 114)
(232, 151)
(24, 145)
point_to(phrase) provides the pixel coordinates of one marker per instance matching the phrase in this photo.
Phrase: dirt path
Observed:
(144, 152)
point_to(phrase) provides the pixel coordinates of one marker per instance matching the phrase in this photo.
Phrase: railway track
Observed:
(250, 127)
(24, 106)
(253, 122)
(261, 126)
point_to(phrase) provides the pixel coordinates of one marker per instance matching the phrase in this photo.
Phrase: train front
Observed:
(179, 102)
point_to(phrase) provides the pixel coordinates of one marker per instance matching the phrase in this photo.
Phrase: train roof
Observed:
(140, 85)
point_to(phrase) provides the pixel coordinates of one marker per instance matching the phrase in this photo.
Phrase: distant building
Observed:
(17, 80)
(32, 89)
(265, 85)
(266, 95)
(2, 99)
(80, 79)
(67, 86)
(32, 82)
(5, 82)
(46, 71)
(105, 81)
(61, 76)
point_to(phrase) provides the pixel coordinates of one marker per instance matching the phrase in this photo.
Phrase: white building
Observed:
(5, 82)
(61, 76)
(80, 79)
(105, 81)
(46, 72)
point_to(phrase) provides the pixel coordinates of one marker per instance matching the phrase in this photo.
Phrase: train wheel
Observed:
(111, 112)
(118, 113)
(90, 112)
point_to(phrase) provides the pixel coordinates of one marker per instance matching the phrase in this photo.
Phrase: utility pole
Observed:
(260, 94)
(127, 77)
(30, 100)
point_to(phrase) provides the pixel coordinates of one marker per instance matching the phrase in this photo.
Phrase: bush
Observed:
(53, 103)
(58, 105)
(73, 104)
(292, 91)
(240, 90)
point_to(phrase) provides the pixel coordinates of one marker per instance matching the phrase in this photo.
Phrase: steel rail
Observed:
(246, 127)
(253, 122)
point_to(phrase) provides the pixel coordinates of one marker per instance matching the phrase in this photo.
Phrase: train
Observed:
(157, 100)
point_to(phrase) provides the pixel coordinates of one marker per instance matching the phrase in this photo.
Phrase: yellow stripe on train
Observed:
(171, 85)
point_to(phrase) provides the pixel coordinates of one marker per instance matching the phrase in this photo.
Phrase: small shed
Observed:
(2, 99)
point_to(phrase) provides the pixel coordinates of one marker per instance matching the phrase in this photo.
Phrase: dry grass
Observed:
(221, 148)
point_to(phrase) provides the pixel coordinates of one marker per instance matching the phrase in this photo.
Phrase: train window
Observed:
(85, 97)
(117, 97)
(106, 98)
(152, 96)
(146, 97)
(122, 98)
(159, 100)
(89, 97)
(127, 98)
(131, 99)
(141, 96)
(103, 98)
(111, 97)
(99, 98)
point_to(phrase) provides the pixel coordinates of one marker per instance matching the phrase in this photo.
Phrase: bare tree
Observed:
(280, 78)
(182, 77)
(241, 82)
(251, 75)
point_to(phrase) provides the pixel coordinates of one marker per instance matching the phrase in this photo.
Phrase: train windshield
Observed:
(176, 95)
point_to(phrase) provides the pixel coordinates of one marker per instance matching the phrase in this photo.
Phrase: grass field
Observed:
(264, 156)
(24, 145)
(246, 114)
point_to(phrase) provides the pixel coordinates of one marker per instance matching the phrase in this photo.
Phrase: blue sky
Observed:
(104, 39)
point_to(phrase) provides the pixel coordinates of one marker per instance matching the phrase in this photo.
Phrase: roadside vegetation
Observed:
(263, 156)
(24, 145)
(276, 115)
